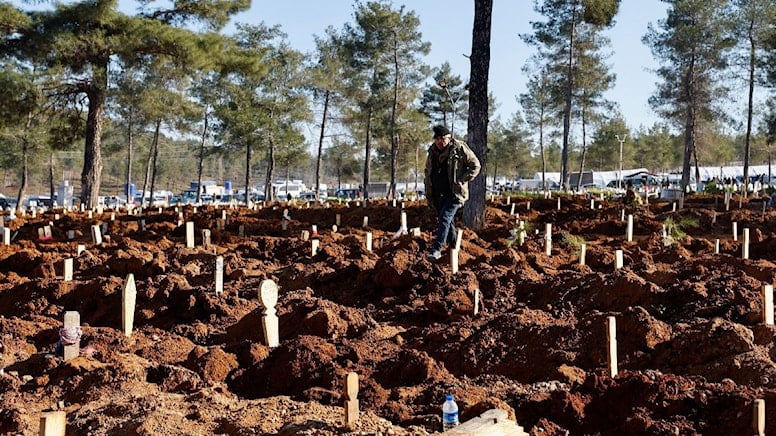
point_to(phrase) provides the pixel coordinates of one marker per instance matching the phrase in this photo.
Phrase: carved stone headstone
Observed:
(268, 297)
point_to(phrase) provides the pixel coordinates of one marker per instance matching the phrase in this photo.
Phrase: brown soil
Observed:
(693, 351)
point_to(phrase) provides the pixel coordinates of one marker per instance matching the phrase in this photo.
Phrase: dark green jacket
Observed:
(462, 167)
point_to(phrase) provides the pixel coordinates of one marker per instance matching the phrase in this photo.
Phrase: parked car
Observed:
(348, 193)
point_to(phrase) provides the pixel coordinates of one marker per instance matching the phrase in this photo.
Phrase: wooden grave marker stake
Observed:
(368, 241)
(558, 203)
(582, 253)
(548, 239)
(334, 228)
(268, 297)
(80, 249)
(337, 220)
(366, 222)
(96, 235)
(735, 230)
(305, 235)
(314, 246)
(611, 335)
(206, 238)
(73, 330)
(716, 246)
(454, 261)
(219, 275)
(622, 215)
(403, 227)
(528, 206)
(758, 418)
(745, 244)
(351, 400)
(592, 204)
(509, 200)
(629, 231)
(477, 298)
(128, 298)
(618, 261)
(458, 239)
(415, 232)
(189, 234)
(52, 423)
(89, 214)
(767, 298)
(68, 270)
(6, 236)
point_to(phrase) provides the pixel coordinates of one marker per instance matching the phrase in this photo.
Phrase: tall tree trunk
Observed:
(542, 154)
(248, 172)
(750, 104)
(269, 193)
(320, 144)
(25, 164)
(584, 150)
(690, 121)
(394, 110)
(153, 162)
(130, 140)
(367, 154)
(564, 154)
(474, 210)
(51, 179)
(201, 160)
(92, 170)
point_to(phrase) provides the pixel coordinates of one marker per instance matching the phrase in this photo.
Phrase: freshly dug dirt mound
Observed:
(693, 350)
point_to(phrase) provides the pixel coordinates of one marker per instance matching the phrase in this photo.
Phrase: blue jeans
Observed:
(446, 207)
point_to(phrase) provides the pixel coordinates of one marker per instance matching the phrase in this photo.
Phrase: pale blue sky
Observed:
(447, 26)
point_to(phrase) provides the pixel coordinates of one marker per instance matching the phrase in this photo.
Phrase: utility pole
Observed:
(619, 177)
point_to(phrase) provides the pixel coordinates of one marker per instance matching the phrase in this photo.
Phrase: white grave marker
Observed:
(368, 241)
(128, 298)
(268, 297)
(189, 234)
(314, 246)
(219, 274)
(351, 400)
(477, 298)
(548, 239)
(735, 230)
(96, 235)
(52, 423)
(68, 270)
(767, 294)
(366, 222)
(454, 261)
(71, 335)
(6, 236)
(618, 261)
(80, 249)
(629, 232)
(758, 418)
(206, 238)
(745, 244)
(611, 329)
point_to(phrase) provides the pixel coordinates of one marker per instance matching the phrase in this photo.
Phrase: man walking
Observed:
(450, 166)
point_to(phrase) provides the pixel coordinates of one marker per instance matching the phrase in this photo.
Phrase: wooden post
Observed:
(745, 245)
(52, 423)
(268, 297)
(305, 235)
(189, 234)
(68, 270)
(206, 238)
(618, 261)
(477, 298)
(6, 236)
(767, 295)
(592, 204)
(80, 249)
(368, 241)
(582, 253)
(548, 239)
(758, 422)
(512, 211)
(96, 235)
(73, 325)
(458, 239)
(219, 275)
(351, 400)
(558, 203)
(128, 297)
(454, 261)
(629, 232)
(366, 222)
(735, 230)
(403, 227)
(528, 206)
(716, 246)
(314, 246)
(622, 214)
(611, 329)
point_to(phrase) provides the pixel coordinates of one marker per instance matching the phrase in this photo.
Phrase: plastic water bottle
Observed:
(449, 413)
